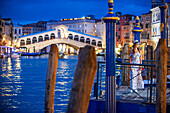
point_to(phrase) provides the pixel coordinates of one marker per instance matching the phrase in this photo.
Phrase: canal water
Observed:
(22, 84)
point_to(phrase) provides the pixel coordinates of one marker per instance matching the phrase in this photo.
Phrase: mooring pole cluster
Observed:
(110, 21)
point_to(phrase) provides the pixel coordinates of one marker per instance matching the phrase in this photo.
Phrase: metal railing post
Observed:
(97, 79)
(151, 75)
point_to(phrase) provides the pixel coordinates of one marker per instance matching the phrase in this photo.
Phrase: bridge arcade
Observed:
(59, 35)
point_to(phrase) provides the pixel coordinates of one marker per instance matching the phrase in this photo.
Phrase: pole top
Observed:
(137, 18)
(163, 1)
(110, 15)
(163, 6)
(137, 28)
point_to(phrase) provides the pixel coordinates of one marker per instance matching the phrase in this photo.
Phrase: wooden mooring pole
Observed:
(161, 76)
(83, 81)
(161, 65)
(51, 79)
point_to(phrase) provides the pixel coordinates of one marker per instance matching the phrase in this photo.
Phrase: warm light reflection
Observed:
(11, 84)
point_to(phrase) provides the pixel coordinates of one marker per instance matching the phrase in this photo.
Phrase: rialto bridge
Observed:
(60, 35)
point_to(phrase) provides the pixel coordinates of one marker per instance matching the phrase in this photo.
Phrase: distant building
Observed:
(6, 32)
(101, 31)
(27, 30)
(17, 32)
(146, 27)
(85, 24)
(34, 27)
(124, 30)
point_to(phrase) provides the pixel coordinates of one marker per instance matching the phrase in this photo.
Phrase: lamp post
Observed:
(110, 21)
(137, 30)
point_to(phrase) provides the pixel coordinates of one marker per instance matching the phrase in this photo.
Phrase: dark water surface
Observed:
(22, 84)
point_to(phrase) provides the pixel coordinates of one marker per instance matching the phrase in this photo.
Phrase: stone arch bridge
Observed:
(59, 35)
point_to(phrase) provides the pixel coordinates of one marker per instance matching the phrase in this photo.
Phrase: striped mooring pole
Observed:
(137, 30)
(163, 7)
(110, 21)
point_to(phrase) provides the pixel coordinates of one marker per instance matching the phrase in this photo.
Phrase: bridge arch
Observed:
(28, 41)
(70, 36)
(81, 39)
(40, 39)
(99, 44)
(34, 40)
(93, 42)
(88, 40)
(22, 42)
(46, 37)
(61, 31)
(76, 37)
(71, 45)
(52, 36)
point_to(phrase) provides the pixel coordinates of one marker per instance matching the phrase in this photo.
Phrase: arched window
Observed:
(52, 36)
(59, 33)
(46, 37)
(94, 42)
(40, 39)
(76, 37)
(15, 37)
(99, 44)
(82, 39)
(22, 42)
(70, 36)
(34, 40)
(88, 40)
(28, 41)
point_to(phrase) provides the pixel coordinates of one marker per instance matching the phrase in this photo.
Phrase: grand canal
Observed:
(22, 84)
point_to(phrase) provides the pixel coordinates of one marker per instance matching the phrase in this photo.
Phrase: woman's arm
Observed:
(130, 61)
(141, 61)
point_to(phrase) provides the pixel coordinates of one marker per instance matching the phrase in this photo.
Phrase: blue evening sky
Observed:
(26, 11)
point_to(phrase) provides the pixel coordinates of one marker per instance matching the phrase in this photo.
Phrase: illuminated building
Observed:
(34, 27)
(155, 26)
(85, 24)
(6, 32)
(17, 32)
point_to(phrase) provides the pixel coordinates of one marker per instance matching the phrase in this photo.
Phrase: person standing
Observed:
(135, 58)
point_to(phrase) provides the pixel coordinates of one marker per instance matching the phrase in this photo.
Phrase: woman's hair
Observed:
(135, 46)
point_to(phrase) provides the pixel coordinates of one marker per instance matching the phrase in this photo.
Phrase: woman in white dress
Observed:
(135, 58)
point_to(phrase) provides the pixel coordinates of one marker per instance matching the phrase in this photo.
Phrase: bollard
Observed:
(51, 79)
(83, 81)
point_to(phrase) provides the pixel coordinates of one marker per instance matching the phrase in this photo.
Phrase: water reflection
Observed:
(22, 84)
(10, 82)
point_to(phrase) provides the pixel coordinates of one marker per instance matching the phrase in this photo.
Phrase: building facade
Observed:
(17, 32)
(84, 24)
(124, 29)
(34, 27)
(155, 25)
(6, 32)
(145, 24)
(101, 31)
